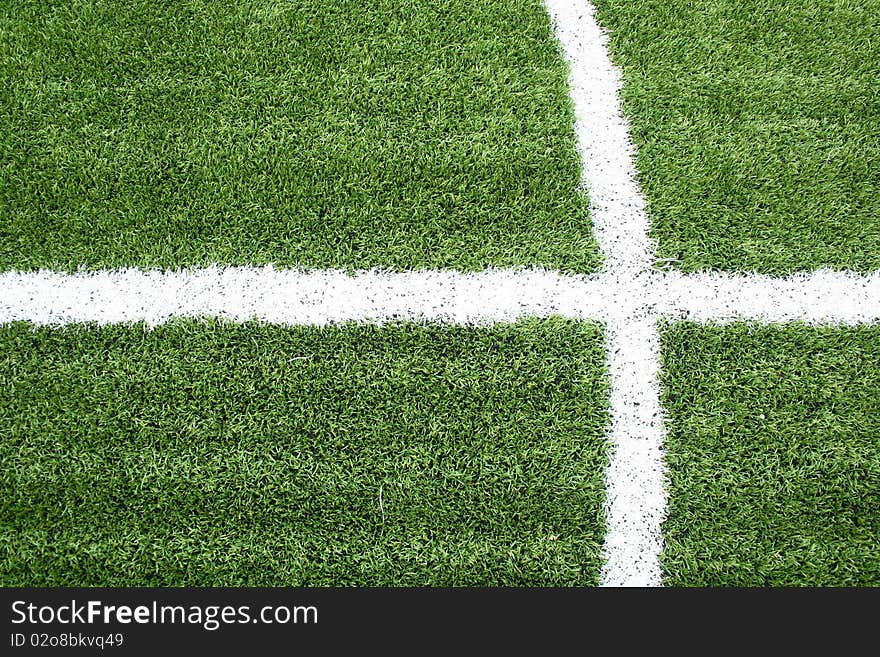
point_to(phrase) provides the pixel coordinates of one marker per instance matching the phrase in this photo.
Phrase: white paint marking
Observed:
(316, 298)
(617, 207)
(635, 504)
(634, 483)
(820, 297)
(295, 297)
(628, 295)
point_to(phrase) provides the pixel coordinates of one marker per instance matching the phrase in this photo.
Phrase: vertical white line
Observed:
(635, 483)
(607, 153)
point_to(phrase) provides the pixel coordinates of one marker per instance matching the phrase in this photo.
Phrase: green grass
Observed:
(401, 135)
(757, 124)
(773, 455)
(218, 454)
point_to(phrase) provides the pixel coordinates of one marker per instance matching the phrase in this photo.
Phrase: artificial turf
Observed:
(218, 454)
(402, 135)
(773, 454)
(757, 124)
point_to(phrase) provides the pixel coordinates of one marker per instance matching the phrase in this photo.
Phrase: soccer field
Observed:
(501, 292)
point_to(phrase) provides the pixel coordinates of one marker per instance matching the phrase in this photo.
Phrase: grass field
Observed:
(773, 454)
(406, 136)
(300, 133)
(214, 454)
(757, 124)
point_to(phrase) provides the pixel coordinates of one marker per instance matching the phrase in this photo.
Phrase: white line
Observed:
(635, 483)
(820, 297)
(318, 297)
(616, 204)
(295, 297)
(635, 490)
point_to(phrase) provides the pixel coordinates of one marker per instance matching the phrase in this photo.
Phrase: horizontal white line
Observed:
(820, 297)
(318, 297)
(293, 296)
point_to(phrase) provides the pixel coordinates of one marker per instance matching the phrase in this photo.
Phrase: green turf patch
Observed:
(216, 454)
(773, 455)
(758, 128)
(296, 132)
